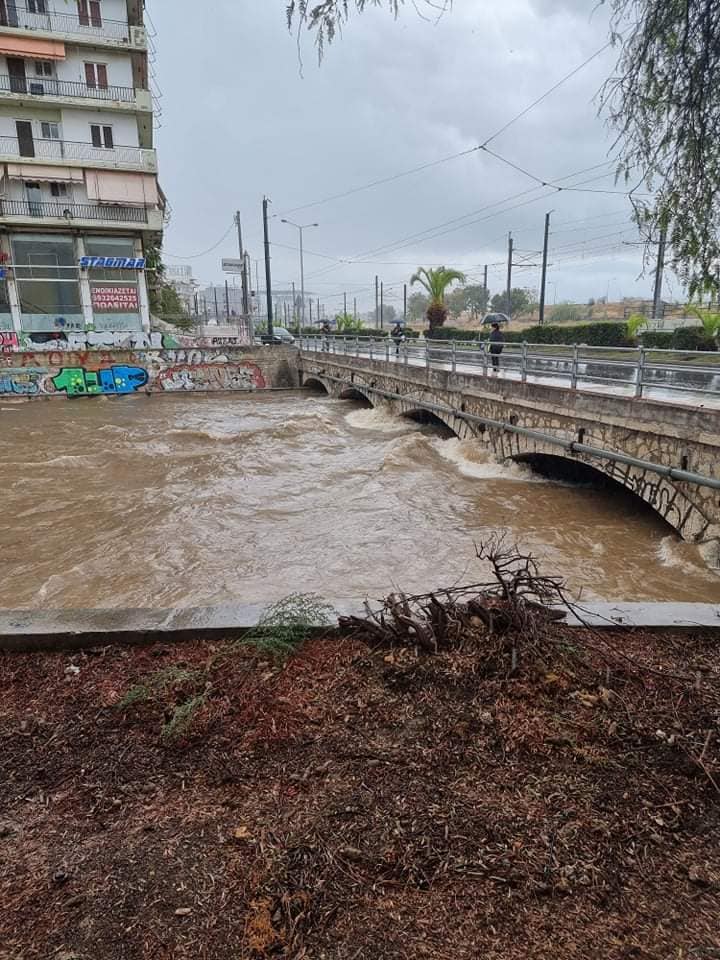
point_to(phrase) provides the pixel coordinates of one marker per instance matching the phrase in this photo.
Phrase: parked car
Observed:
(496, 318)
(280, 335)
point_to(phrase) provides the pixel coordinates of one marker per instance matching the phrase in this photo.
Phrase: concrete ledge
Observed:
(56, 630)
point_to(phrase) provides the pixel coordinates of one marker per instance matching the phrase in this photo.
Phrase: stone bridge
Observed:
(551, 426)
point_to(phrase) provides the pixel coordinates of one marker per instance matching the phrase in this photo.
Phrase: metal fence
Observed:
(50, 87)
(627, 371)
(19, 16)
(51, 149)
(73, 211)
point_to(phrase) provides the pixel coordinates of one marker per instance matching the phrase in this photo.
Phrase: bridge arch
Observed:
(317, 384)
(664, 496)
(356, 392)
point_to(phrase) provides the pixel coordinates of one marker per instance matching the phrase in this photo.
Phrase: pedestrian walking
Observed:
(496, 347)
(398, 335)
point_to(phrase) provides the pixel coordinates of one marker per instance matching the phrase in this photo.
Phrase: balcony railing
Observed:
(72, 211)
(50, 87)
(16, 16)
(69, 150)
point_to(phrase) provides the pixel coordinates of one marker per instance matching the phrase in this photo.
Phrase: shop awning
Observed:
(31, 48)
(26, 171)
(129, 188)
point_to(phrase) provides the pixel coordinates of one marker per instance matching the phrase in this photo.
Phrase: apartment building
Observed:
(80, 204)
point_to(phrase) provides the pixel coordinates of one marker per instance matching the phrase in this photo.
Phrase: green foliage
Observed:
(346, 323)
(451, 333)
(566, 313)
(436, 282)
(181, 692)
(634, 324)
(417, 305)
(693, 338)
(590, 334)
(182, 717)
(286, 625)
(662, 101)
(473, 299)
(156, 684)
(520, 302)
(709, 319)
(657, 339)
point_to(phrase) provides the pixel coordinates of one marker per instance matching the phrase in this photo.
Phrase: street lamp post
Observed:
(300, 228)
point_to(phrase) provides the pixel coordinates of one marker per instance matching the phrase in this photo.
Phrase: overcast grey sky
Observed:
(239, 121)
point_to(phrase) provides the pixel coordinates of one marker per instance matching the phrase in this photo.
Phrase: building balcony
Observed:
(74, 154)
(24, 212)
(68, 93)
(17, 19)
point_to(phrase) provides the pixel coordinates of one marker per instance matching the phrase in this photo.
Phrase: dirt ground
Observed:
(353, 803)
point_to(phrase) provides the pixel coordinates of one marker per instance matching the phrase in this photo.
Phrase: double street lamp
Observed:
(300, 227)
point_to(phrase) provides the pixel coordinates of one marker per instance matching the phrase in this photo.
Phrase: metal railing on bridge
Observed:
(624, 371)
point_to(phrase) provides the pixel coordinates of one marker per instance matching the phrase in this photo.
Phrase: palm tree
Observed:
(436, 283)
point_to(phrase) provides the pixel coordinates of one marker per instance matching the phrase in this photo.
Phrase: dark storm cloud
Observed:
(239, 120)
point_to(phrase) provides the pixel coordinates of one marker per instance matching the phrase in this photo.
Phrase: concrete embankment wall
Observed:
(113, 372)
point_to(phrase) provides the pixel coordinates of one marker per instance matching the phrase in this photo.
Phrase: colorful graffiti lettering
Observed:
(8, 341)
(218, 376)
(119, 379)
(27, 382)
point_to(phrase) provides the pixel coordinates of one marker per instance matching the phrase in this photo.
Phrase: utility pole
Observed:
(318, 308)
(377, 303)
(487, 298)
(294, 308)
(311, 312)
(243, 262)
(509, 277)
(268, 280)
(344, 304)
(543, 277)
(355, 309)
(659, 267)
(404, 303)
(216, 303)
(227, 301)
(382, 305)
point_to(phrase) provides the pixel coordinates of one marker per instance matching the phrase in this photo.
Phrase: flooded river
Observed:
(179, 501)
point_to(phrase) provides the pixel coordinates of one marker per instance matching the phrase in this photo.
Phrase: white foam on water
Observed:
(375, 418)
(686, 557)
(474, 460)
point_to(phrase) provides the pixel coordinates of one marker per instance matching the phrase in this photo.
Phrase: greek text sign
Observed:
(115, 298)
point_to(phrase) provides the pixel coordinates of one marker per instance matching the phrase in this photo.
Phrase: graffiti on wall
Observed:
(25, 381)
(78, 382)
(212, 376)
(116, 373)
(8, 341)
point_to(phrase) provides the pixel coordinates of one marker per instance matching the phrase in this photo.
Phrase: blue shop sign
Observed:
(113, 263)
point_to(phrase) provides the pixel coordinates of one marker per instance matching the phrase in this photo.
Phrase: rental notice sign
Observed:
(122, 299)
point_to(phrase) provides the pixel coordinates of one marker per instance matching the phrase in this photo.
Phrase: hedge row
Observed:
(592, 335)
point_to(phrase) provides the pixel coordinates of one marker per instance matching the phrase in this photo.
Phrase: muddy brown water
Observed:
(180, 501)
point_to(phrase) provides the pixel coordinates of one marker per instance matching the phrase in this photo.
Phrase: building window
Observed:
(101, 136)
(47, 279)
(89, 13)
(43, 68)
(50, 131)
(58, 189)
(37, 6)
(96, 75)
(115, 294)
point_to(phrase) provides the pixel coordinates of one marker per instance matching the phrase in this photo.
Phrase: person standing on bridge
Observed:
(398, 335)
(496, 346)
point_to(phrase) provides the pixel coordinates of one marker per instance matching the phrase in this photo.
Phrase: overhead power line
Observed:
(196, 256)
(454, 156)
